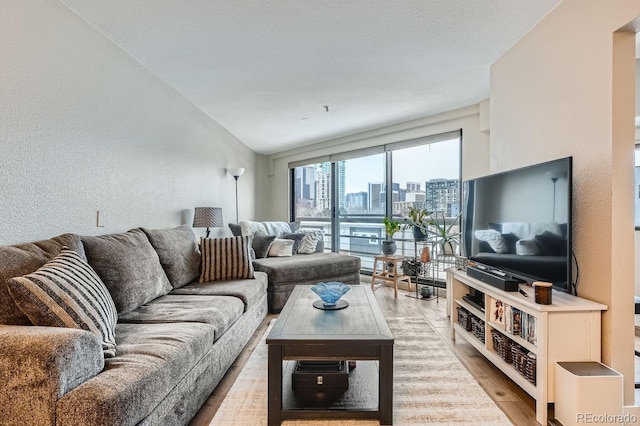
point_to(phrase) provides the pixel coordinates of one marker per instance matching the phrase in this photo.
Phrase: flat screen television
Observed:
(519, 222)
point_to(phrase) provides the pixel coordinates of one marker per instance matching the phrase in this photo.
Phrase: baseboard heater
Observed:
(494, 278)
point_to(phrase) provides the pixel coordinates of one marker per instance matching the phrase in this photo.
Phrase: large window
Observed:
(348, 195)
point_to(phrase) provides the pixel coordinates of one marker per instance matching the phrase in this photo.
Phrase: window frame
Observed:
(387, 149)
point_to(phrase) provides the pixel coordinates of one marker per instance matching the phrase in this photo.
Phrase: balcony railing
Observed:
(362, 235)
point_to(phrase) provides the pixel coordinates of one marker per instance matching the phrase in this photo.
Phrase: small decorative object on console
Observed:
(330, 293)
(542, 292)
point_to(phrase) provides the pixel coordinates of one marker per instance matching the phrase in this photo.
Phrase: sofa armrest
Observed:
(38, 365)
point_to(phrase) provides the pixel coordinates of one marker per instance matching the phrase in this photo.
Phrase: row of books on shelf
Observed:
(513, 320)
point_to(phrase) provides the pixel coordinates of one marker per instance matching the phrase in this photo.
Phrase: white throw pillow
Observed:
(281, 248)
(528, 247)
(310, 241)
(494, 238)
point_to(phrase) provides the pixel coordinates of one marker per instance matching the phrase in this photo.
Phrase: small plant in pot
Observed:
(418, 220)
(426, 292)
(391, 227)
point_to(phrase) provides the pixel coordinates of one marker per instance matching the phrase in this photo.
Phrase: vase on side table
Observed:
(388, 247)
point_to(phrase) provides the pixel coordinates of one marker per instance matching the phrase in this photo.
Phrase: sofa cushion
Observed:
(152, 359)
(297, 239)
(220, 312)
(249, 291)
(526, 230)
(235, 229)
(66, 292)
(276, 228)
(310, 241)
(248, 227)
(128, 266)
(23, 259)
(225, 259)
(528, 247)
(261, 244)
(551, 244)
(318, 266)
(178, 252)
(281, 248)
(493, 238)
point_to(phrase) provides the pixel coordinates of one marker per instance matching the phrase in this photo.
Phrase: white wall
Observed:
(567, 88)
(273, 194)
(84, 127)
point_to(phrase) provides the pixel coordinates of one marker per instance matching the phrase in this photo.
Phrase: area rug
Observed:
(431, 386)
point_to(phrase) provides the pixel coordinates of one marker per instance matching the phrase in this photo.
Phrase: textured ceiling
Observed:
(264, 70)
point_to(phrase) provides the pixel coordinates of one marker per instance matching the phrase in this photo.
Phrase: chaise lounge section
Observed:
(309, 266)
(284, 273)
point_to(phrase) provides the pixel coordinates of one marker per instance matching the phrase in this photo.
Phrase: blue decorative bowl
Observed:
(330, 292)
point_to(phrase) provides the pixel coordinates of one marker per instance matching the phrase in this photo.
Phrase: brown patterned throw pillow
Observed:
(66, 292)
(225, 259)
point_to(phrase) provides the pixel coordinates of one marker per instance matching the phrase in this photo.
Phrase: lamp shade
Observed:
(205, 217)
(236, 173)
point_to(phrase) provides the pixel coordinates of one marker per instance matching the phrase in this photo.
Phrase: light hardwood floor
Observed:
(516, 404)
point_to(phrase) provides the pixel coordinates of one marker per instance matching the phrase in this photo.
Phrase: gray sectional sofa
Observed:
(175, 338)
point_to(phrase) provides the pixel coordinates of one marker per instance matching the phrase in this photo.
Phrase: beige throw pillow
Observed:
(281, 248)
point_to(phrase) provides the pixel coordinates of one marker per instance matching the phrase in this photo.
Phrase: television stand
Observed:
(567, 330)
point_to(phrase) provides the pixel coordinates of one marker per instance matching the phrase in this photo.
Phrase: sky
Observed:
(418, 164)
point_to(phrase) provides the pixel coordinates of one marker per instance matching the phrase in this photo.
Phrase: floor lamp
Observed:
(236, 173)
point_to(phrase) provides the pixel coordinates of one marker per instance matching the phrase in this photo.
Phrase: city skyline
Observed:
(429, 175)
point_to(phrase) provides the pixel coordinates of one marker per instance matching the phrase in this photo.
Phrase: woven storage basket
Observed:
(502, 345)
(524, 363)
(477, 328)
(463, 318)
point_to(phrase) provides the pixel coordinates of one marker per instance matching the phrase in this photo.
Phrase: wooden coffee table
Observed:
(358, 332)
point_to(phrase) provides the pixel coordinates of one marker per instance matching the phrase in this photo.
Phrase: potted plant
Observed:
(391, 227)
(443, 235)
(418, 220)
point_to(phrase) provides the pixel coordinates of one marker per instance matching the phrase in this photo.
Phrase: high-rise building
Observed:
(323, 186)
(341, 168)
(357, 202)
(413, 187)
(396, 194)
(443, 195)
(376, 200)
(305, 183)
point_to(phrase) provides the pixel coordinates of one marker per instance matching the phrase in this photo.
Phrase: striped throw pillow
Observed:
(66, 292)
(225, 259)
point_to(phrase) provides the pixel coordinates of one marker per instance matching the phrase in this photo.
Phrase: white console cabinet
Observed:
(566, 330)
